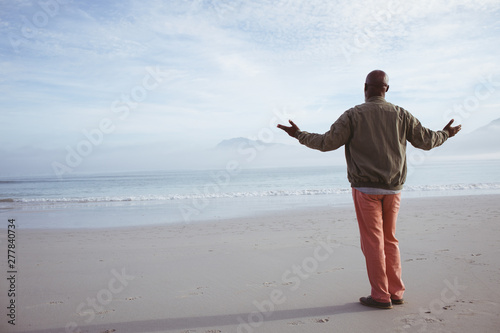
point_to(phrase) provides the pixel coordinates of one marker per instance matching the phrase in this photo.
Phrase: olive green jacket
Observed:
(375, 134)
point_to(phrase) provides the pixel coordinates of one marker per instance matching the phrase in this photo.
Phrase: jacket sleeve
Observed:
(336, 137)
(422, 137)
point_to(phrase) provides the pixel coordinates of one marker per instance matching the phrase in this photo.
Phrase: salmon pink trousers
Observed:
(377, 215)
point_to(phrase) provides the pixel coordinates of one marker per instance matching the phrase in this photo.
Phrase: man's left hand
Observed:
(291, 130)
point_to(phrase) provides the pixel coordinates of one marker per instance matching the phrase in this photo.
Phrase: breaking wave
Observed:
(214, 193)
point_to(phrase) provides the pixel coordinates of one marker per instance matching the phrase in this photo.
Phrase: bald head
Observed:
(376, 84)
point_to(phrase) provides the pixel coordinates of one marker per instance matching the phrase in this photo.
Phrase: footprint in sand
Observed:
(314, 320)
(417, 323)
(331, 270)
(320, 320)
(193, 293)
(105, 311)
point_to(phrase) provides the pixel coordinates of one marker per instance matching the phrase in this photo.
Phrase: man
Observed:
(375, 135)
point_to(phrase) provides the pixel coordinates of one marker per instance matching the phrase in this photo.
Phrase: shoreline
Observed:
(291, 272)
(104, 215)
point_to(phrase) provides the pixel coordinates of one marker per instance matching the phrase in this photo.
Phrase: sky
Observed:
(94, 86)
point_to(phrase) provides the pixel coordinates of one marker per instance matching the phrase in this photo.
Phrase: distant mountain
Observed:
(493, 126)
(257, 153)
(235, 143)
(483, 142)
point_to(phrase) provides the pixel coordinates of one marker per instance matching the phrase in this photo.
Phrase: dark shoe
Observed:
(369, 301)
(397, 301)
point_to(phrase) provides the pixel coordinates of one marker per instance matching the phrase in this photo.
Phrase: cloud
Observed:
(231, 63)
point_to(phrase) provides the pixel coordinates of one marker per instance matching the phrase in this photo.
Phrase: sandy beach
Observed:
(299, 271)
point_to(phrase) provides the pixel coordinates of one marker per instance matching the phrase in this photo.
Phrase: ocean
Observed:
(193, 196)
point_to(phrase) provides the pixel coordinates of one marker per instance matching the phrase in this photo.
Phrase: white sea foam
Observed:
(249, 194)
(111, 200)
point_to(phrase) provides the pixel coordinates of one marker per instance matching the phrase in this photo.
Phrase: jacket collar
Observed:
(376, 99)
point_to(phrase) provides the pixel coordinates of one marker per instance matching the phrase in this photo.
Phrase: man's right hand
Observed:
(291, 130)
(452, 130)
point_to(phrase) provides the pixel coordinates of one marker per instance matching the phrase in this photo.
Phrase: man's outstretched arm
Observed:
(426, 139)
(336, 137)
